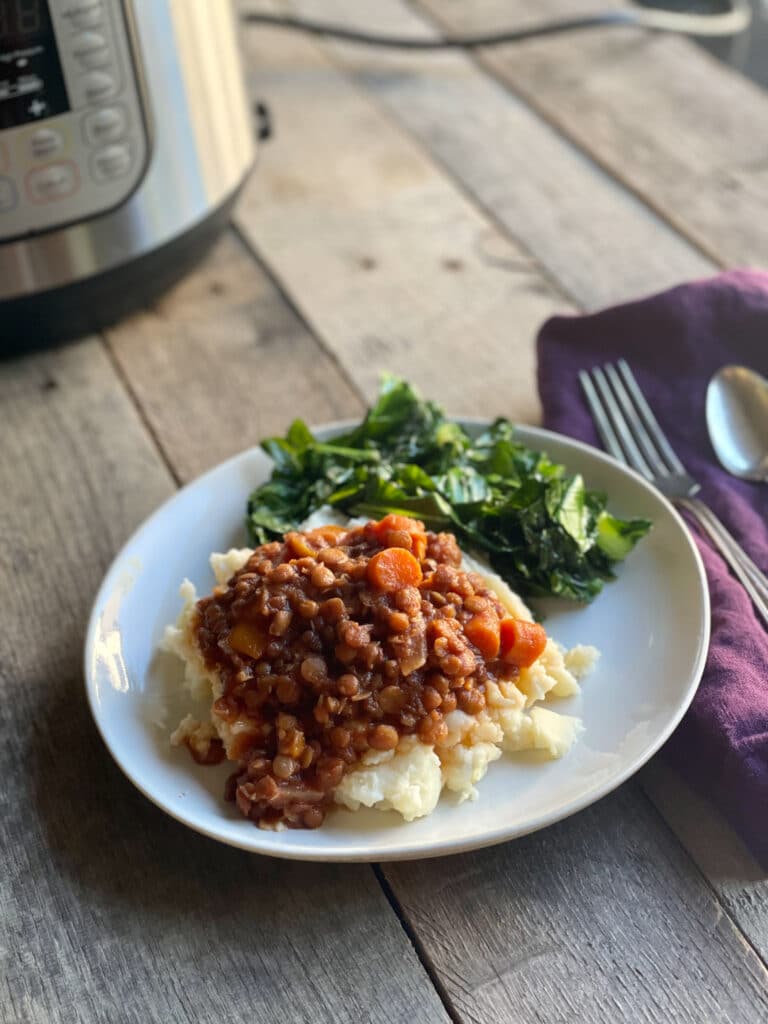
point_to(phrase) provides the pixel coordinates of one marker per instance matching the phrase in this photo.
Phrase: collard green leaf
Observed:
(617, 537)
(463, 485)
(572, 512)
(544, 531)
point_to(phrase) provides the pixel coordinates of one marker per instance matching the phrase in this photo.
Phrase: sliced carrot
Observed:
(242, 738)
(415, 542)
(483, 631)
(394, 524)
(299, 545)
(419, 545)
(249, 639)
(393, 568)
(329, 533)
(521, 642)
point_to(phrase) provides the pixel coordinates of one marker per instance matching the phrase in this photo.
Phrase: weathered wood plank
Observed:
(599, 919)
(389, 263)
(109, 910)
(222, 361)
(342, 194)
(672, 123)
(739, 881)
(296, 183)
(593, 235)
(661, 114)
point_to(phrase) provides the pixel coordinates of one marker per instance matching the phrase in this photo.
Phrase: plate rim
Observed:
(438, 848)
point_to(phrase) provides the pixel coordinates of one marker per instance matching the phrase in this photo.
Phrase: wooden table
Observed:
(423, 215)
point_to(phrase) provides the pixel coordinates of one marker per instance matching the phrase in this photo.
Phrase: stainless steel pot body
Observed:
(156, 136)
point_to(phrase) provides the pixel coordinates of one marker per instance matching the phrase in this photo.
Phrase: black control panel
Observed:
(32, 83)
(72, 135)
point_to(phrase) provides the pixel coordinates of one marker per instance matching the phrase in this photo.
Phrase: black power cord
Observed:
(729, 23)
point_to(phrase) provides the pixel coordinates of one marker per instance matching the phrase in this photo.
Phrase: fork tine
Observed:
(632, 455)
(599, 415)
(650, 421)
(635, 423)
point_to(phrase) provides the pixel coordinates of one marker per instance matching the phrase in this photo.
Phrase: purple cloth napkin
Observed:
(674, 342)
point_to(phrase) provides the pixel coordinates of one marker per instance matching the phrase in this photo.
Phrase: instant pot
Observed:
(125, 134)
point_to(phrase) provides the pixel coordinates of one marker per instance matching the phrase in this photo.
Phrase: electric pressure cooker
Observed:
(125, 135)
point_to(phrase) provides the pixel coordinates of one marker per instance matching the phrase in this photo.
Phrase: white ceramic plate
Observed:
(651, 625)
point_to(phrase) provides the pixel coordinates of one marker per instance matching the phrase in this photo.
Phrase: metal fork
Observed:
(631, 433)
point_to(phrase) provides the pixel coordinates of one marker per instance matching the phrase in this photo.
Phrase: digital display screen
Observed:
(31, 80)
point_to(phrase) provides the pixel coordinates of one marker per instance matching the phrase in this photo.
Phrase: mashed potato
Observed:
(410, 778)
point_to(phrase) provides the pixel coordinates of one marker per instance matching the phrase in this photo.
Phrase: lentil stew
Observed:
(337, 641)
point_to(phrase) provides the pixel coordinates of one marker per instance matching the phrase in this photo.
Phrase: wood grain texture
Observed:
(345, 194)
(665, 117)
(673, 124)
(387, 260)
(109, 910)
(222, 361)
(593, 235)
(599, 919)
(720, 855)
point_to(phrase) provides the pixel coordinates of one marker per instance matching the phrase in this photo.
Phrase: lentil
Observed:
(303, 627)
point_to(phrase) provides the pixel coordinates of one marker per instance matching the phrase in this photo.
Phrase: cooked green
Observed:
(541, 529)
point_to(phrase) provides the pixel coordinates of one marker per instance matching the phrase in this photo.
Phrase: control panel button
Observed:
(105, 125)
(9, 197)
(87, 42)
(87, 16)
(62, 166)
(52, 182)
(77, 9)
(91, 49)
(98, 86)
(97, 58)
(111, 162)
(43, 143)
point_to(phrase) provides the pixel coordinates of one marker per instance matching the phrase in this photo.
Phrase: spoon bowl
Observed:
(737, 420)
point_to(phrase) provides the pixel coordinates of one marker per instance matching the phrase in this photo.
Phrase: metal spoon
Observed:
(737, 420)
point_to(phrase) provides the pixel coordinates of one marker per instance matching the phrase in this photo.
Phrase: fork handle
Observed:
(753, 570)
(751, 577)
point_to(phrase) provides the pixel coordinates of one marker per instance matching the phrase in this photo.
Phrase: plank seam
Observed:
(282, 290)
(707, 881)
(486, 67)
(146, 422)
(696, 245)
(416, 943)
(463, 190)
